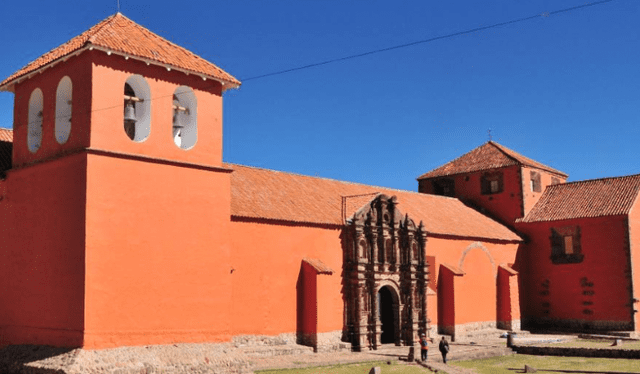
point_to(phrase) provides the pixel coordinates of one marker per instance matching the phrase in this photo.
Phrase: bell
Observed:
(130, 112)
(177, 134)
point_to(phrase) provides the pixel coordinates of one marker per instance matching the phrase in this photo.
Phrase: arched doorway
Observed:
(386, 303)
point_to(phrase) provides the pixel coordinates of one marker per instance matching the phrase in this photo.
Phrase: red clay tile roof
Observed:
(273, 195)
(584, 199)
(318, 266)
(6, 135)
(490, 155)
(120, 35)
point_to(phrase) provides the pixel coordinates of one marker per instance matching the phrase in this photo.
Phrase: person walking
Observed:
(424, 346)
(444, 349)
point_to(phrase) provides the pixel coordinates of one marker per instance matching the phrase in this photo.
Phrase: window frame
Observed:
(560, 238)
(444, 187)
(535, 181)
(488, 180)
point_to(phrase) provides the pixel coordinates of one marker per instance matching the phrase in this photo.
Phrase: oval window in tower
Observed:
(137, 108)
(34, 126)
(63, 110)
(185, 120)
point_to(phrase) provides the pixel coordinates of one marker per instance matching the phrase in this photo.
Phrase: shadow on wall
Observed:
(306, 308)
(22, 358)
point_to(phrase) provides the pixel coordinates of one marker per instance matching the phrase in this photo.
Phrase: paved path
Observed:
(232, 358)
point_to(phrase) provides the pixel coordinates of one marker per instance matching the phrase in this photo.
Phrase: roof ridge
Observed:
(502, 148)
(161, 38)
(99, 27)
(110, 35)
(450, 162)
(342, 181)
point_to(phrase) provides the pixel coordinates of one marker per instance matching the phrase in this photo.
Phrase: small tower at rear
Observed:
(117, 208)
(494, 179)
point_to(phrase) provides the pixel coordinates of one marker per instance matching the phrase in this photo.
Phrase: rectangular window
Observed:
(491, 183)
(536, 185)
(565, 245)
(444, 187)
(555, 180)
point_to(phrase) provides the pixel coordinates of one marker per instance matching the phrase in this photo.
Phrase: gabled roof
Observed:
(272, 195)
(490, 155)
(118, 34)
(586, 199)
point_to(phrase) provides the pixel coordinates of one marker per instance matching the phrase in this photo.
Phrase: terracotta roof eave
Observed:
(423, 176)
(233, 83)
(482, 238)
(276, 221)
(520, 220)
(550, 170)
(8, 84)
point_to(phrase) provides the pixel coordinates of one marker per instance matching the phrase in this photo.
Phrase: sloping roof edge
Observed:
(86, 41)
(514, 157)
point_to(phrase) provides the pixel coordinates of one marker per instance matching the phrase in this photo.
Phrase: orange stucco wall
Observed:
(475, 292)
(107, 132)
(267, 261)
(594, 292)
(42, 254)
(634, 243)
(157, 254)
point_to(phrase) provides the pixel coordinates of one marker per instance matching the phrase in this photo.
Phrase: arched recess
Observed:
(64, 96)
(137, 108)
(476, 292)
(185, 118)
(484, 249)
(34, 126)
(388, 314)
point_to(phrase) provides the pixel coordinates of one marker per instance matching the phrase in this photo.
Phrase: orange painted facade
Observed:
(591, 294)
(468, 285)
(42, 282)
(107, 241)
(267, 258)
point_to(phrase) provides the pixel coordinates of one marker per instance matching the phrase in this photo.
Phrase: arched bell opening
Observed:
(137, 108)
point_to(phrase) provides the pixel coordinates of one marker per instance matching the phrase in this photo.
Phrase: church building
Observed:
(122, 225)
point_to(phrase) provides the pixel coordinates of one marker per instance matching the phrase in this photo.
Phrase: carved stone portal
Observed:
(385, 277)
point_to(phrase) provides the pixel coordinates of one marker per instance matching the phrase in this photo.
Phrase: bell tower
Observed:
(117, 169)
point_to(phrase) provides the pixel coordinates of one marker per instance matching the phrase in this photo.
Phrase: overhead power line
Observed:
(469, 31)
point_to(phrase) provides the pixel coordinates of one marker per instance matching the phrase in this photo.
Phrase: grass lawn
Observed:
(361, 368)
(497, 365)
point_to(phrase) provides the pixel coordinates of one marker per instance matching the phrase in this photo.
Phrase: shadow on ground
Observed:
(18, 359)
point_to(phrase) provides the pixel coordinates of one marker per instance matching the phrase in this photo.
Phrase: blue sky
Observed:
(563, 89)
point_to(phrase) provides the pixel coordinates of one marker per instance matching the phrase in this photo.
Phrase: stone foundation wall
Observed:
(263, 340)
(513, 325)
(575, 325)
(577, 352)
